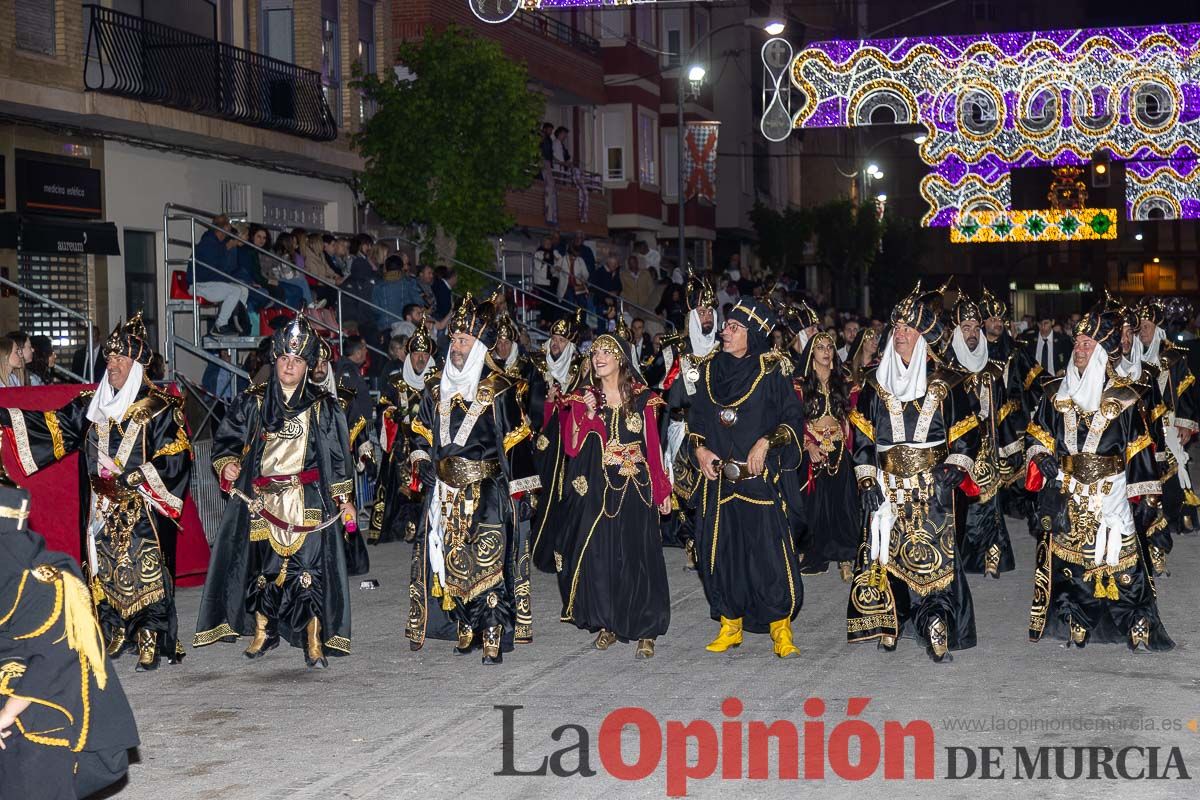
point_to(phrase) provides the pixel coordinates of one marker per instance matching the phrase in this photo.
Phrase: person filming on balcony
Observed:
(209, 275)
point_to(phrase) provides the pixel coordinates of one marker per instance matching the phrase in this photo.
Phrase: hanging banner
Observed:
(700, 160)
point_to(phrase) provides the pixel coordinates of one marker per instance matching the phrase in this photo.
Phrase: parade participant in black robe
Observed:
(278, 568)
(613, 579)
(135, 461)
(1181, 396)
(342, 385)
(985, 546)
(914, 444)
(65, 725)
(1156, 530)
(744, 432)
(398, 498)
(830, 531)
(863, 356)
(470, 570)
(557, 369)
(1022, 390)
(683, 356)
(1090, 457)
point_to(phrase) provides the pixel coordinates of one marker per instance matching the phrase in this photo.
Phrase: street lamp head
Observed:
(872, 169)
(878, 175)
(696, 73)
(882, 198)
(1138, 236)
(775, 27)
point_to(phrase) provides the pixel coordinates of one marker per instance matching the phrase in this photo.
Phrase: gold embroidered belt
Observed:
(461, 472)
(905, 462)
(1089, 468)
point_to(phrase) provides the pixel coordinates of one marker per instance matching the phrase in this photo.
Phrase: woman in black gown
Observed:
(609, 559)
(830, 490)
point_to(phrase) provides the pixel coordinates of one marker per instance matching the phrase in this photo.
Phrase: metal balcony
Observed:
(144, 60)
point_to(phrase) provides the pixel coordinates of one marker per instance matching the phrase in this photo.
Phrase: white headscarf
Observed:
(513, 355)
(329, 384)
(702, 343)
(560, 368)
(1151, 354)
(974, 360)
(411, 377)
(108, 403)
(905, 383)
(1085, 388)
(463, 381)
(1131, 367)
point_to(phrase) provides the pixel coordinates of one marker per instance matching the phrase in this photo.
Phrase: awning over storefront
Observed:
(30, 233)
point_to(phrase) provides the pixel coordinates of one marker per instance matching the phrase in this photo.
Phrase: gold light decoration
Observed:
(1046, 225)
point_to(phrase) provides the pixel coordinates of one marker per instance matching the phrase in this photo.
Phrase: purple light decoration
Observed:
(1160, 158)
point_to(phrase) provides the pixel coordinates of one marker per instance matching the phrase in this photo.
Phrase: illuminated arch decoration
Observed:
(497, 11)
(993, 103)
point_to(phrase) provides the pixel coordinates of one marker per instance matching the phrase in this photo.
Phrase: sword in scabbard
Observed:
(257, 509)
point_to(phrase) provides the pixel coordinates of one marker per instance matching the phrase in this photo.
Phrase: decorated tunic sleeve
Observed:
(1187, 399)
(513, 429)
(862, 421)
(962, 424)
(1141, 473)
(163, 478)
(341, 464)
(575, 425)
(786, 439)
(43, 437)
(232, 439)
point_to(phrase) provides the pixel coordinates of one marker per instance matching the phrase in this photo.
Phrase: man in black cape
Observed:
(278, 568)
(470, 568)
(65, 725)
(135, 460)
(744, 430)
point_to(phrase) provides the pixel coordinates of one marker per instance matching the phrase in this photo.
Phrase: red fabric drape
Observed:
(54, 491)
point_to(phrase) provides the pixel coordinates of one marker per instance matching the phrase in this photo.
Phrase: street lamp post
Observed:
(773, 25)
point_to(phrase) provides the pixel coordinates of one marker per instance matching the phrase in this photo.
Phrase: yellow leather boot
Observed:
(781, 635)
(729, 636)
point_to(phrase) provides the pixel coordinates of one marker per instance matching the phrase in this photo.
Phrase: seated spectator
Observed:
(248, 268)
(41, 368)
(209, 275)
(397, 351)
(11, 371)
(388, 294)
(337, 264)
(293, 288)
(414, 317)
(673, 307)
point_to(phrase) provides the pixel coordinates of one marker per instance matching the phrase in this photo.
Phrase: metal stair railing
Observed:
(173, 212)
(36, 297)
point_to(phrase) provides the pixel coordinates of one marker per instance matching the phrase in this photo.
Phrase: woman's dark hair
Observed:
(43, 349)
(839, 393)
(285, 245)
(254, 229)
(624, 379)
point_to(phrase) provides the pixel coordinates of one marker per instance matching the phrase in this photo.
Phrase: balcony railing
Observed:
(134, 57)
(558, 31)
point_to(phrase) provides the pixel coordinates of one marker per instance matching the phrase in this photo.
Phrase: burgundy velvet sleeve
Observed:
(573, 415)
(660, 484)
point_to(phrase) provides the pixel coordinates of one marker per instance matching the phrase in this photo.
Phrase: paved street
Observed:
(387, 723)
